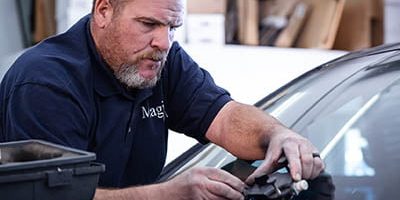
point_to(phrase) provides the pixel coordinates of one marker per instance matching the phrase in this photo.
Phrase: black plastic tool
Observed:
(277, 185)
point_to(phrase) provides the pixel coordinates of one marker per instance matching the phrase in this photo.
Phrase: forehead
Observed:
(164, 10)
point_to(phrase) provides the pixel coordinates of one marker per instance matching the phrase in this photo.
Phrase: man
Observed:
(115, 82)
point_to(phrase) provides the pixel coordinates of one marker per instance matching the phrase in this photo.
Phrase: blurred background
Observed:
(232, 33)
(323, 24)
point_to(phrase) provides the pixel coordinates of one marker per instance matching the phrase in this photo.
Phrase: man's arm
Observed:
(249, 133)
(196, 183)
(143, 192)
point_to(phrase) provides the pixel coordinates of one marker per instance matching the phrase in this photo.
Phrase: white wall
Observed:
(70, 11)
(392, 21)
(10, 29)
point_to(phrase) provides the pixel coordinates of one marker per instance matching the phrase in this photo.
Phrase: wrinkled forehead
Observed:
(165, 10)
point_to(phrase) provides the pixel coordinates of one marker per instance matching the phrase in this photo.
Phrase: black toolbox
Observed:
(38, 170)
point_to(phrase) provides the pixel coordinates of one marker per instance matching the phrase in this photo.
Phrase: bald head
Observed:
(116, 4)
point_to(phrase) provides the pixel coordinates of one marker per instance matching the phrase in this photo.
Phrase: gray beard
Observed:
(129, 75)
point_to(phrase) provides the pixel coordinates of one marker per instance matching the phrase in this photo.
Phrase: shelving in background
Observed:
(328, 24)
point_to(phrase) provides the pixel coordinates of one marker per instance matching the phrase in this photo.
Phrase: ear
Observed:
(102, 13)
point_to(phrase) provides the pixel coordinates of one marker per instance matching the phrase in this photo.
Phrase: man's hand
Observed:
(194, 184)
(251, 134)
(205, 183)
(303, 157)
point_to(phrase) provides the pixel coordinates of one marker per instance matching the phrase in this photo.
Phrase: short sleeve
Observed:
(193, 98)
(39, 111)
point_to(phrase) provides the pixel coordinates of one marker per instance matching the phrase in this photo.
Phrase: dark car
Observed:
(350, 109)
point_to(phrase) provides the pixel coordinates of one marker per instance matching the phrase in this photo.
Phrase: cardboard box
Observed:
(321, 27)
(361, 25)
(248, 22)
(206, 6)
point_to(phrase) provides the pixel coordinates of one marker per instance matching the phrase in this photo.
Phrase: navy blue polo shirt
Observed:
(61, 91)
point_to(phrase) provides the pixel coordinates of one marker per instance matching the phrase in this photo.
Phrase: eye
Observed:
(149, 24)
(173, 28)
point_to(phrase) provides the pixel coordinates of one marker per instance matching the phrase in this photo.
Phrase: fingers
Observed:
(272, 155)
(299, 153)
(216, 184)
(302, 162)
(318, 164)
(292, 154)
(307, 162)
(221, 190)
(264, 168)
(226, 178)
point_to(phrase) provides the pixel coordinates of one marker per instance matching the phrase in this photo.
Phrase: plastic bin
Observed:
(34, 169)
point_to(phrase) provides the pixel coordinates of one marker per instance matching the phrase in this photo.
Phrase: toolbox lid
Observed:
(30, 154)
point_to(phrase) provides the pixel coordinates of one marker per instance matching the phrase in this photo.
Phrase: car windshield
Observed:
(356, 127)
(360, 140)
(351, 111)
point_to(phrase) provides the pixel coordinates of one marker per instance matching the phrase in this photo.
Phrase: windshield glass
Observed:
(356, 126)
(358, 132)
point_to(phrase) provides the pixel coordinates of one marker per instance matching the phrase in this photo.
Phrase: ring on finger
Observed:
(314, 155)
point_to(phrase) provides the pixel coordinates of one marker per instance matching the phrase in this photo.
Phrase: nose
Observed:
(162, 38)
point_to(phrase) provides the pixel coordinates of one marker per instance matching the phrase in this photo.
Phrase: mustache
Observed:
(155, 55)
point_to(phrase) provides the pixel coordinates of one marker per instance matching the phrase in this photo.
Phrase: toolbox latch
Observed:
(59, 177)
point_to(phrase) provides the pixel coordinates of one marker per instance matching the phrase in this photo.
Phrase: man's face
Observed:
(136, 41)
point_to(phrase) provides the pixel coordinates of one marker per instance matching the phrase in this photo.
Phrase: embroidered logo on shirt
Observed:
(151, 112)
